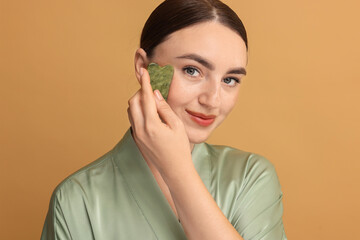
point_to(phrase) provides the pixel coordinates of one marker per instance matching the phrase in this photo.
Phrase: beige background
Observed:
(66, 71)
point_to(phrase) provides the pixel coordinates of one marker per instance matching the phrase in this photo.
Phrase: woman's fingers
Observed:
(135, 113)
(147, 97)
(165, 111)
(142, 111)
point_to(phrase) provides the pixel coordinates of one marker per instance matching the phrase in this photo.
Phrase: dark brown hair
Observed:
(173, 15)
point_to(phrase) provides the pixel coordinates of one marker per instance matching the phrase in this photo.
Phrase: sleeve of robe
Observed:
(258, 207)
(55, 226)
(67, 213)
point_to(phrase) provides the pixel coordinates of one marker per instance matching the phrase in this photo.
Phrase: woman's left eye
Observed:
(191, 71)
(231, 81)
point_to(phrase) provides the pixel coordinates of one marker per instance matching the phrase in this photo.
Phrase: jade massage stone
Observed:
(160, 78)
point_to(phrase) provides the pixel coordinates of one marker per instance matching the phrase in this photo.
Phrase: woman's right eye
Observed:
(193, 72)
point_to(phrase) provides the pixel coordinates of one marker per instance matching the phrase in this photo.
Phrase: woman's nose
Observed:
(210, 96)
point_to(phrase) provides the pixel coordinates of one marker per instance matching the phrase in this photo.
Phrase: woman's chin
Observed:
(197, 137)
(197, 141)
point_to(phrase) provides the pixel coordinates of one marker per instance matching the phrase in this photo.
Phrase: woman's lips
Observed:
(201, 119)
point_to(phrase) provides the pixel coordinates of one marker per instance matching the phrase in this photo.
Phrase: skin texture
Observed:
(165, 132)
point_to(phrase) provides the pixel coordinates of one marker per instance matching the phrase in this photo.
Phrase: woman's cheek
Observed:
(229, 104)
(180, 89)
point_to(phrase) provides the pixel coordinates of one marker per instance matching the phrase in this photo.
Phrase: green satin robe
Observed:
(117, 197)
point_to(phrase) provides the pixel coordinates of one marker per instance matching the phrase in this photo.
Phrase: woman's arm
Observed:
(164, 142)
(199, 214)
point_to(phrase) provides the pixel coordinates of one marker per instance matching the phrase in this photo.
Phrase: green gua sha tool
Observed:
(160, 78)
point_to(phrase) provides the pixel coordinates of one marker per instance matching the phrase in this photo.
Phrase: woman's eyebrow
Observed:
(237, 71)
(210, 66)
(199, 59)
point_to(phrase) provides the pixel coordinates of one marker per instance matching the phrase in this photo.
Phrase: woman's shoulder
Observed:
(89, 175)
(236, 168)
(238, 160)
(247, 189)
(75, 200)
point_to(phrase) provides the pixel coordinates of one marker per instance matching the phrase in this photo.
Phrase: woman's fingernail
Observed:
(158, 94)
(141, 71)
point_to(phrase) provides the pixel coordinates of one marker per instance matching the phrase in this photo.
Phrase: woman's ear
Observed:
(140, 61)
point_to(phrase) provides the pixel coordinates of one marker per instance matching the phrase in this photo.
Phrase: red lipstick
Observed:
(201, 119)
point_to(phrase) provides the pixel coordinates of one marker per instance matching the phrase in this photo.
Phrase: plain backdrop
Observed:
(66, 72)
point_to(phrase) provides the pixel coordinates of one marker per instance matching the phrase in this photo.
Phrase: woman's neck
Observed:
(192, 146)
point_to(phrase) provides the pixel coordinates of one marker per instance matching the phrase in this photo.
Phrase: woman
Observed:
(162, 181)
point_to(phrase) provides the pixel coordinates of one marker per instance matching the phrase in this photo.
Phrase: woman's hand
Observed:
(157, 131)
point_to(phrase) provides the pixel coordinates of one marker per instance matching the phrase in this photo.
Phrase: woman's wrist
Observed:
(182, 167)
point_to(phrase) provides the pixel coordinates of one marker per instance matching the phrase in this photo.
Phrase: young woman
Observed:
(161, 181)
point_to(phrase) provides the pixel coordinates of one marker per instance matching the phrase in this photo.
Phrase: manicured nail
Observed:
(158, 94)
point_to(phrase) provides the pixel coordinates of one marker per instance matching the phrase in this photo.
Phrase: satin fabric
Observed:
(117, 197)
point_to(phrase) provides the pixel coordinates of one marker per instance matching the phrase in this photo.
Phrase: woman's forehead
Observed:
(210, 40)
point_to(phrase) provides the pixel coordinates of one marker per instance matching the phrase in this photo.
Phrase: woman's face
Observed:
(209, 60)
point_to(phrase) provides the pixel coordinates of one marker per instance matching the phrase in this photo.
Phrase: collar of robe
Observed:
(141, 182)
